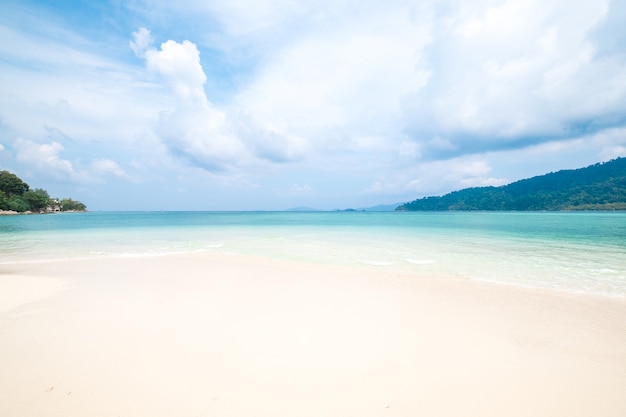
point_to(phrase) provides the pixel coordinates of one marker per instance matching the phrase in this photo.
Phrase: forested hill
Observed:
(17, 197)
(597, 187)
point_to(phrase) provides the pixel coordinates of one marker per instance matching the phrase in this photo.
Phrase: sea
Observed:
(574, 252)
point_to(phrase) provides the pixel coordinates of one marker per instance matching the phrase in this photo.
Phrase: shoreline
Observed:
(364, 267)
(13, 212)
(218, 334)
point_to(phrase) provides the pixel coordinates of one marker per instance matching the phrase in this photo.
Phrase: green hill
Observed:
(17, 197)
(597, 187)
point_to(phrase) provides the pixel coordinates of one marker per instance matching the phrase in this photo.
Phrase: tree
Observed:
(596, 187)
(18, 203)
(11, 184)
(16, 195)
(37, 199)
(68, 204)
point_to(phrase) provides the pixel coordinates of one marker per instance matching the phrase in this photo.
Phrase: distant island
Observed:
(597, 187)
(17, 197)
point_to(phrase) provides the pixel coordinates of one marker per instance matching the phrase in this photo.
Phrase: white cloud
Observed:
(142, 42)
(179, 64)
(195, 130)
(410, 96)
(613, 152)
(244, 17)
(506, 71)
(45, 159)
(383, 187)
(50, 77)
(265, 141)
(436, 177)
(612, 143)
(102, 167)
(408, 150)
(459, 78)
(467, 171)
(350, 77)
(204, 135)
(198, 133)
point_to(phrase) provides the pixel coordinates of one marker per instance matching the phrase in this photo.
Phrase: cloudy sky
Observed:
(273, 104)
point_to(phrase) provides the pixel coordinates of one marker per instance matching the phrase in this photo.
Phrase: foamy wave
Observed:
(605, 271)
(99, 254)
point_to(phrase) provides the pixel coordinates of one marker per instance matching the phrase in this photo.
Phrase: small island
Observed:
(16, 197)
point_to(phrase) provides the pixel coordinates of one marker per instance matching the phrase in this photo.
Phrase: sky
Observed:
(328, 104)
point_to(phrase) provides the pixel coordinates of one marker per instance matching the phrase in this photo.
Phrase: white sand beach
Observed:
(233, 335)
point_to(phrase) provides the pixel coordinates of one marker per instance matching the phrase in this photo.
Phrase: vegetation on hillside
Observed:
(597, 187)
(16, 195)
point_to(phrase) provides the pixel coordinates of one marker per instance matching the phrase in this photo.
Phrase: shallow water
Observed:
(574, 252)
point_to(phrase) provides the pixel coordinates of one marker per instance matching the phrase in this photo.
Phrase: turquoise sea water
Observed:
(573, 252)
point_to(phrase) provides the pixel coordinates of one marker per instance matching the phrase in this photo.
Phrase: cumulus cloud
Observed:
(195, 130)
(267, 142)
(199, 132)
(470, 75)
(102, 167)
(437, 177)
(179, 64)
(349, 78)
(509, 73)
(466, 171)
(45, 158)
(456, 78)
(62, 83)
(410, 96)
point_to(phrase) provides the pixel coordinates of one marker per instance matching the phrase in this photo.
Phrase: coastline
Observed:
(219, 334)
(13, 212)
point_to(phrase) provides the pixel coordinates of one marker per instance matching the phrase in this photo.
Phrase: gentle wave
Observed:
(575, 253)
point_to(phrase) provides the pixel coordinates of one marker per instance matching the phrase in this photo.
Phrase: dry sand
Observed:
(221, 335)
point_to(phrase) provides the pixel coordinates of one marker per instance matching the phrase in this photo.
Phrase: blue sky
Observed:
(266, 105)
